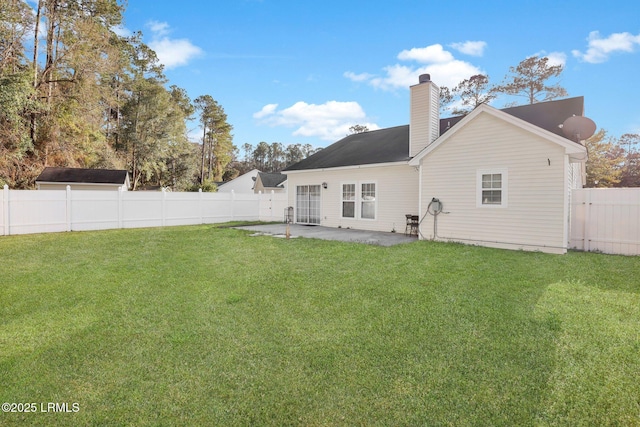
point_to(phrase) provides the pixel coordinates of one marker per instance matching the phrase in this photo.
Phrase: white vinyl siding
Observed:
(536, 215)
(396, 188)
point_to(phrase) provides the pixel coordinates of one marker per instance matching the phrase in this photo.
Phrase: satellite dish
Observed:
(578, 128)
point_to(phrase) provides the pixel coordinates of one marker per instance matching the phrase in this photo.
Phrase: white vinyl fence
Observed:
(603, 220)
(44, 211)
(606, 220)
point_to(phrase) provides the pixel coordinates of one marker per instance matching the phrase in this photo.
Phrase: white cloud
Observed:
(600, 48)
(451, 73)
(158, 28)
(397, 76)
(329, 121)
(443, 74)
(171, 52)
(473, 48)
(267, 110)
(174, 52)
(555, 58)
(430, 54)
(445, 70)
(358, 77)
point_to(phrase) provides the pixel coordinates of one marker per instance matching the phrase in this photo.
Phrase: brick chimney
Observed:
(424, 120)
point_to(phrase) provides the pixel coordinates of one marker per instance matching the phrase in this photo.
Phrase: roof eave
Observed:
(370, 165)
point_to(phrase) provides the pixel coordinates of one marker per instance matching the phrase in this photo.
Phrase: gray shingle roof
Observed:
(392, 144)
(549, 115)
(378, 146)
(93, 176)
(272, 180)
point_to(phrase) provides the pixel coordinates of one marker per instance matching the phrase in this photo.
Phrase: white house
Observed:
(501, 178)
(54, 178)
(241, 184)
(270, 182)
(254, 182)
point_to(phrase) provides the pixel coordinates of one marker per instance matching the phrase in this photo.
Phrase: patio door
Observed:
(308, 204)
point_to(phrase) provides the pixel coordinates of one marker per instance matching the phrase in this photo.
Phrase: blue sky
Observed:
(295, 71)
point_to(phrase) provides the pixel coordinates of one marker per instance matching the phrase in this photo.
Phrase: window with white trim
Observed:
(368, 200)
(348, 200)
(358, 200)
(492, 188)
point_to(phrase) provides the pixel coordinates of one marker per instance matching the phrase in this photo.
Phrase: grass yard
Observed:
(209, 326)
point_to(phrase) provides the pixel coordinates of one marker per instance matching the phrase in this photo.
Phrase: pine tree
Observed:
(473, 92)
(530, 79)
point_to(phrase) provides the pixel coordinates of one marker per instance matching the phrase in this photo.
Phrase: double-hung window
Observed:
(368, 200)
(359, 200)
(492, 188)
(348, 200)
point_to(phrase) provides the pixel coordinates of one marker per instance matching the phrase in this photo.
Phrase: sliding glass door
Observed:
(308, 204)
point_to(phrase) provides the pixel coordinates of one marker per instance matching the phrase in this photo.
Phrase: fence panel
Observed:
(217, 207)
(606, 220)
(141, 209)
(94, 210)
(272, 206)
(182, 208)
(246, 206)
(29, 212)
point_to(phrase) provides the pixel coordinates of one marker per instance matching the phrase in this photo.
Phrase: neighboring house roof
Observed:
(78, 175)
(392, 144)
(272, 180)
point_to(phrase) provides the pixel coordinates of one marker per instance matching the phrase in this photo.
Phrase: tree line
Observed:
(267, 157)
(613, 162)
(74, 93)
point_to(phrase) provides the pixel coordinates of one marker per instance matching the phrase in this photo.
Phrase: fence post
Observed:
(120, 191)
(68, 208)
(271, 205)
(200, 204)
(587, 219)
(162, 206)
(260, 202)
(5, 209)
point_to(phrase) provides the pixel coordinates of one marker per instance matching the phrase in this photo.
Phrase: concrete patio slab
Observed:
(327, 233)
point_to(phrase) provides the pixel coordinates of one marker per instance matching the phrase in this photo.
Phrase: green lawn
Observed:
(209, 326)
